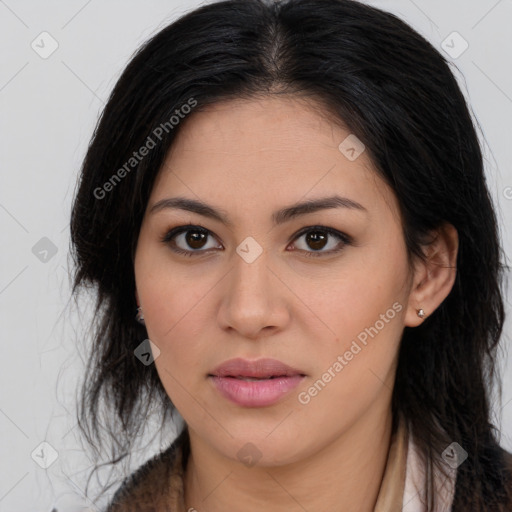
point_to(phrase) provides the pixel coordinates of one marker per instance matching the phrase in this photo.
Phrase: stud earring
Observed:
(420, 313)
(139, 316)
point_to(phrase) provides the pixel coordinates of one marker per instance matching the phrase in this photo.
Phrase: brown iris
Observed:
(196, 239)
(316, 239)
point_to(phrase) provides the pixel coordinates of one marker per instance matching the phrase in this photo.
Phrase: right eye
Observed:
(188, 240)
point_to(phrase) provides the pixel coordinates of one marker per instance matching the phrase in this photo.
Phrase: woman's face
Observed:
(258, 284)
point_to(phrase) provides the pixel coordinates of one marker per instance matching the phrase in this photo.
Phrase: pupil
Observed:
(316, 240)
(195, 239)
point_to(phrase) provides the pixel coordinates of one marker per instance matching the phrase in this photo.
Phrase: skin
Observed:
(251, 158)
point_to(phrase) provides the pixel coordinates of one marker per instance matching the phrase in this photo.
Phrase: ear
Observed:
(433, 278)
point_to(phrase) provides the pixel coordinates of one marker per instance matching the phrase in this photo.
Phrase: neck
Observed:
(347, 471)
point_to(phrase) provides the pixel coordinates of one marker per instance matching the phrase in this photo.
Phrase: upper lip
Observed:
(259, 368)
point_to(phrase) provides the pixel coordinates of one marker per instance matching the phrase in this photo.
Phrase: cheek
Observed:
(173, 315)
(356, 297)
(175, 323)
(173, 299)
(354, 371)
(361, 312)
(176, 326)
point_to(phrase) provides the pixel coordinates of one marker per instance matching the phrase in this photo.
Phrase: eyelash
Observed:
(345, 239)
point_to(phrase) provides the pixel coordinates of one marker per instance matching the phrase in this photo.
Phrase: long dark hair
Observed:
(397, 94)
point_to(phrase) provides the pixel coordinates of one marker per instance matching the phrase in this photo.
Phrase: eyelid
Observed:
(331, 231)
(172, 233)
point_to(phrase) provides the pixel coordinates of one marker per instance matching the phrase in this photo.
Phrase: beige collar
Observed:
(391, 491)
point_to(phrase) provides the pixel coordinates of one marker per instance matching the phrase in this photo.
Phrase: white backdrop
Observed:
(59, 61)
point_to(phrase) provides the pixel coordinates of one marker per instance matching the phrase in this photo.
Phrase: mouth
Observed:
(253, 379)
(260, 369)
(257, 383)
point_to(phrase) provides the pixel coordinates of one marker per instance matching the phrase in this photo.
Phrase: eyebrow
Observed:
(279, 217)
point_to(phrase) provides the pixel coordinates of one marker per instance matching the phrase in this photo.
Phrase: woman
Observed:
(292, 196)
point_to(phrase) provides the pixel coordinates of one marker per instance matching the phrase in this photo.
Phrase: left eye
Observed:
(316, 238)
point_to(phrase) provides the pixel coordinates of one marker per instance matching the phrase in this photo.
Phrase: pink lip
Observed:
(267, 391)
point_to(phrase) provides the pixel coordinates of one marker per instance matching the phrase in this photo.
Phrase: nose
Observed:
(254, 300)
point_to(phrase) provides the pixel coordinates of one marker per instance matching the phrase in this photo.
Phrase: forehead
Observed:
(282, 123)
(280, 147)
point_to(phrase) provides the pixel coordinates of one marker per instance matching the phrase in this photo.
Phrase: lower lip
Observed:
(258, 393)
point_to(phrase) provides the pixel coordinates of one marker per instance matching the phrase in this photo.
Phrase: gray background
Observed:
(49, 107)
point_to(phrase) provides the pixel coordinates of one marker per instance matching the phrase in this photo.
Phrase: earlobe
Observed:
(434, 277)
